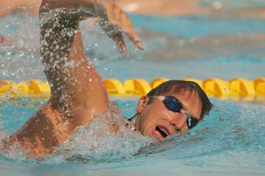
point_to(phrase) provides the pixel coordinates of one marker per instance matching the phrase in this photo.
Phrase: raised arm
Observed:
(76, 85)
(78, 92)
(74, 81)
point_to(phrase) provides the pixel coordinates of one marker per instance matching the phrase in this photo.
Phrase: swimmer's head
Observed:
(176, 86)
(174, 106)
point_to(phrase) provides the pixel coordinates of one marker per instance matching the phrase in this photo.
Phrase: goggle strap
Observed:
(162, 98)
(189, 119)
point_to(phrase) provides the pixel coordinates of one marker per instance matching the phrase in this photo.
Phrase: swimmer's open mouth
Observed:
(163, 132)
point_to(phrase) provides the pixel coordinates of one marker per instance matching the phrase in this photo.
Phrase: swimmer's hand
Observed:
(111, 18)
(114, 21)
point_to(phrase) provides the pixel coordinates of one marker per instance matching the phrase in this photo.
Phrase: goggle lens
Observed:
(174, 105)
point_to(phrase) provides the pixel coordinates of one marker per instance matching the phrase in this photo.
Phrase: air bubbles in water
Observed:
(17, 153)
(3, 135)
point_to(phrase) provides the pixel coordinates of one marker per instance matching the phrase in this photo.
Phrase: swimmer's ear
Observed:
(141, 104)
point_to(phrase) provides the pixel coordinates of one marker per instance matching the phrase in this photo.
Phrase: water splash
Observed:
(231, 132)
(105, 138)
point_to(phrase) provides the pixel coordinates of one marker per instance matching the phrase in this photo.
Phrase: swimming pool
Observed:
(230, 141)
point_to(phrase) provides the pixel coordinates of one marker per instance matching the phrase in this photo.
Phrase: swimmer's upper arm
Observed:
(77, 88)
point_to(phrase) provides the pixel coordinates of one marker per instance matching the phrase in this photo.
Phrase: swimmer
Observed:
(150, 7)
(170, 7)
(10, 6)
(153, 7)
(77, 90)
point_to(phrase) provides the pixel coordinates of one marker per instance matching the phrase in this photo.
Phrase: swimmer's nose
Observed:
(179, 121)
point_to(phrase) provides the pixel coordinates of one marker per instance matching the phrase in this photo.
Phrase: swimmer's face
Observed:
(156, 120)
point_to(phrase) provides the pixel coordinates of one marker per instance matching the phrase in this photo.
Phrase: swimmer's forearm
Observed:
(60, 19)
(65, 64)
(93, 6)
(67, 3)
(75, 10)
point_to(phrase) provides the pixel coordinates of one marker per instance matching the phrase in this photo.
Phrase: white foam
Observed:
(104, 138)
(3, 135)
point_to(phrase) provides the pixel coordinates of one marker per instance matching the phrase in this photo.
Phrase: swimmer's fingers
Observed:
(127, 27)
(114, 21)
(120, 42)
(121, 20)
(113, 32)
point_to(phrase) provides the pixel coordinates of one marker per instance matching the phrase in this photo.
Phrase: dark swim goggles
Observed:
(173, 104)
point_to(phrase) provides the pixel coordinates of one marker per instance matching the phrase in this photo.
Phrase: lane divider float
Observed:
(238, 88)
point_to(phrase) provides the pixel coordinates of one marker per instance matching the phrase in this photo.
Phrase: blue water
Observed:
(230, 141)
(196, 26)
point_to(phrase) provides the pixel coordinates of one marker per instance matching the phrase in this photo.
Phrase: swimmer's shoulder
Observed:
(116, 112)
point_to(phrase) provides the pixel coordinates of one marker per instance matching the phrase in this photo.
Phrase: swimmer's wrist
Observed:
(100, 8)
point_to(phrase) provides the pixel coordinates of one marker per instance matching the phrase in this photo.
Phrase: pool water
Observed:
(230, 141)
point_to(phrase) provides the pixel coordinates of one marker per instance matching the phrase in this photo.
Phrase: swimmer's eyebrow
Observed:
(184, 107)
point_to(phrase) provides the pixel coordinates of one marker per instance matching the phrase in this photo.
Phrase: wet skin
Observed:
(76, 87)
(153, 115)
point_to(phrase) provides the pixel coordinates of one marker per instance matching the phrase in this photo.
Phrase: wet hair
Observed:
(175, 86)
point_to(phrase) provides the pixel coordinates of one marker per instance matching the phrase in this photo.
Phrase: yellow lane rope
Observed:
(238, 88)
